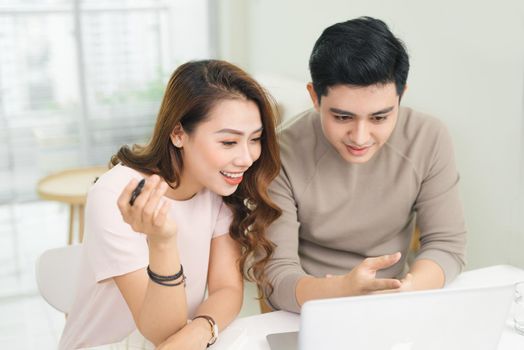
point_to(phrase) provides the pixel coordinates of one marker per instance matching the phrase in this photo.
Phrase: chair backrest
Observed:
(57, 276)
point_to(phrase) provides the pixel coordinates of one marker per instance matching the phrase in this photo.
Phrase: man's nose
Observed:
(360, 133)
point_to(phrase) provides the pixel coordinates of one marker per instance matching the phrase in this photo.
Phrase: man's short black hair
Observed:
(360, 52)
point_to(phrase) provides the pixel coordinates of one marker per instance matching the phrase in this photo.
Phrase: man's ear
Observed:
(178, 136)
(403, 92)
(314, 96)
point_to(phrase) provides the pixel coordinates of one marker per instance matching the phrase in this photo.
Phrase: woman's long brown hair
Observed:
(192, 91)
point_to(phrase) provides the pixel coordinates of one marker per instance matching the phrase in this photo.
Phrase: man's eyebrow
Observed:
(384, 111)
(343, 112)
(236, 132)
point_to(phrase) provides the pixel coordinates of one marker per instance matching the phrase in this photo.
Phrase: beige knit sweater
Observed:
(336, 213)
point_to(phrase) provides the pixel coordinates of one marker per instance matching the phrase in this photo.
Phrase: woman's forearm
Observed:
(223, 305)
(164, 308)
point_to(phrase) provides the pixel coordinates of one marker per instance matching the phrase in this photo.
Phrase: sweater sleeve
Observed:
(440, 215)
(284, 268)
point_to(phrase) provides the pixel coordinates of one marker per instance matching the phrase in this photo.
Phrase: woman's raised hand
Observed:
(148, 212)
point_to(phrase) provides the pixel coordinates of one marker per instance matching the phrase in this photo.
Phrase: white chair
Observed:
(57, 276)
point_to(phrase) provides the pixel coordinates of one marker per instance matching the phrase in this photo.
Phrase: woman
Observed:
(201, 213)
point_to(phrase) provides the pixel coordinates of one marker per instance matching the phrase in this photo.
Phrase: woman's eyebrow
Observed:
(236, 132)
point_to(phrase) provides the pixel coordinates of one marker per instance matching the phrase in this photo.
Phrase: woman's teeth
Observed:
(232, 175)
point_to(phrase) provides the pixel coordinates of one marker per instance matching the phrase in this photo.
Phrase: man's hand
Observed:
(406, 285)
(424, 274)
(362, 279)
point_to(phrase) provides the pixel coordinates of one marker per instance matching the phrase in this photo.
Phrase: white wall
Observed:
(467, 60)
(188, 19)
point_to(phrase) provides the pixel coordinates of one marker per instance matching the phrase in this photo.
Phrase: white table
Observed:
(249, 333)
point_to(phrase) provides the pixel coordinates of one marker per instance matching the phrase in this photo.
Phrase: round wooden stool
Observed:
(70, 186)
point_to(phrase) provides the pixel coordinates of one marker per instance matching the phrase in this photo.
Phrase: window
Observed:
(80, 78)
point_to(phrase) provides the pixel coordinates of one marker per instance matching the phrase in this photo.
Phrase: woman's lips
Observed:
(232, 178)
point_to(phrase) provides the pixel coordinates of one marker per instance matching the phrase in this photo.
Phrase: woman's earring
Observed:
(178, 143)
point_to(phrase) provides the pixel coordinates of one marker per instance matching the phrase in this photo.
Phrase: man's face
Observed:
(357, 120)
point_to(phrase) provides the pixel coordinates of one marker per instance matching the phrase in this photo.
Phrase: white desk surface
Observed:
(249, 333)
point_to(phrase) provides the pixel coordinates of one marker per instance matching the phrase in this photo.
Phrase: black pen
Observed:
(136, 191)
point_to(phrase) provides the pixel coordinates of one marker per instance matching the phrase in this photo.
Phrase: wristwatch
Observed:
(214, 328)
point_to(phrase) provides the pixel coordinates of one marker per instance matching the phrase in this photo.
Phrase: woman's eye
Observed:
(256, 139)
(228, 143)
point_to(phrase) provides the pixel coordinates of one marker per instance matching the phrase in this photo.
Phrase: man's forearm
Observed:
(427, 274)
(310, 288)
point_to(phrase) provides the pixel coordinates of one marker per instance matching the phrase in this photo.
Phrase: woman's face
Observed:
(220, 150)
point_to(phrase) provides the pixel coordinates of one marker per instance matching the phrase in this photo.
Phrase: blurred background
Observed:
(79, 78)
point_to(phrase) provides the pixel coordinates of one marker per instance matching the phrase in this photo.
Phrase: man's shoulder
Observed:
(417, 136)
(302, 145)
(301, 122)
(300, 136)
(415, 127)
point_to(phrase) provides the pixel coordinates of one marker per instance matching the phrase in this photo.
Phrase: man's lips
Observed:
(358, 148)
(358, 151)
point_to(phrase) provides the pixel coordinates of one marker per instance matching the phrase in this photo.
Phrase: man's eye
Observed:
(379, 118)
(343, 117)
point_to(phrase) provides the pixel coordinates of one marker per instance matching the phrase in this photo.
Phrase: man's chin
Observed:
(357, 159)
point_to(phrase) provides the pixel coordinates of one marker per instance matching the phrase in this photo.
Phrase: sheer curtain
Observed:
(79, 78)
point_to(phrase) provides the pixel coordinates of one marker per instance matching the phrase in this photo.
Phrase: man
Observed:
(358, 172)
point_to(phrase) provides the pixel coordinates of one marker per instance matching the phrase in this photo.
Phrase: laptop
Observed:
(451, 319)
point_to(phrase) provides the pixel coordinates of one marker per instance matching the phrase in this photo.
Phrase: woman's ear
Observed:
(178, 136)
(314, 96)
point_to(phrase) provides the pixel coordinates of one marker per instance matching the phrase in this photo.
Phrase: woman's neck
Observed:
(187, 190)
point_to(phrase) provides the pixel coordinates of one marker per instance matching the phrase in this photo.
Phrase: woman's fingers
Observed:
(123, 199)
(142, 199)
(161, 214)
(148, 213)
(152, 205)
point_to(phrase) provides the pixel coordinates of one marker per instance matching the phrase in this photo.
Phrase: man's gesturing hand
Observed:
(362, 279)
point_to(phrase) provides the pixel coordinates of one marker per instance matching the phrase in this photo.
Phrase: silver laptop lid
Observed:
(283, 341)
(451, 319)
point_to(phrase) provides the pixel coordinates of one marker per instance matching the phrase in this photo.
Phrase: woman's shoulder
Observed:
(116, 178)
